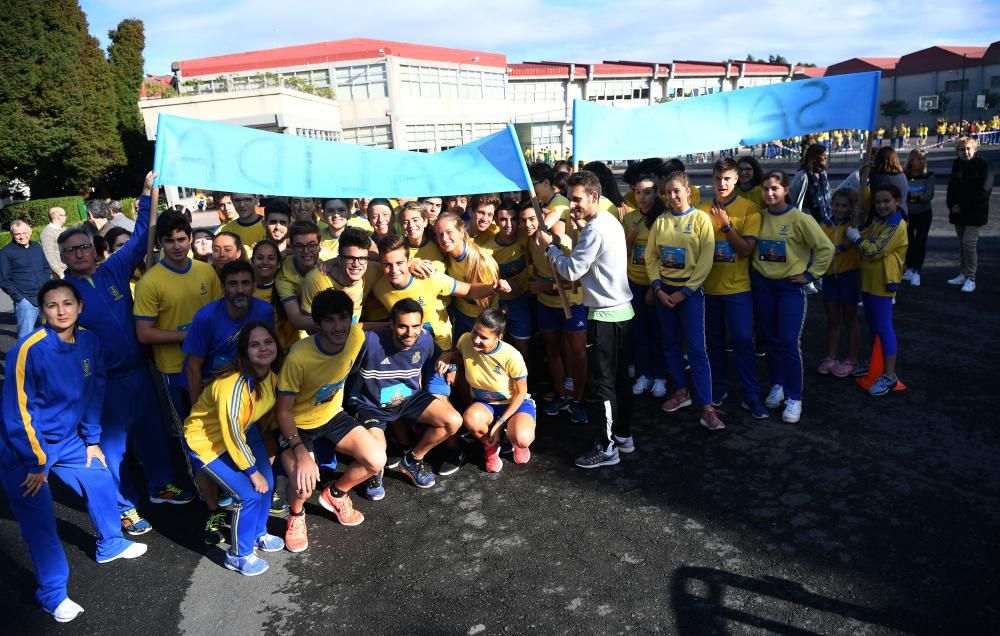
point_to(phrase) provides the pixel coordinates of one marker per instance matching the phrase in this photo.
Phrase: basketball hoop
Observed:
(928, 102)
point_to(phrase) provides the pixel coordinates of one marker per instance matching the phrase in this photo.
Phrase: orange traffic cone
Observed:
(876, 367)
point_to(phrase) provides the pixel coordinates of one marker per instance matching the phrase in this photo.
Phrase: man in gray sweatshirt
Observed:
(598, 261)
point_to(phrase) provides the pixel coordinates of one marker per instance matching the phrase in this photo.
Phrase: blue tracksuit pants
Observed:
(37, 518)
(250, 508)
(732, 313)
(131, 415)
(647, 339)
(780, 307)
(689, 316)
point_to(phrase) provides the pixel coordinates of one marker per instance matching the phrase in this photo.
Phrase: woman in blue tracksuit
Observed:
(52, 401)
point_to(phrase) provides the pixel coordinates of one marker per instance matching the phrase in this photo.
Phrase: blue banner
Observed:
(725, 120)
(214, 156)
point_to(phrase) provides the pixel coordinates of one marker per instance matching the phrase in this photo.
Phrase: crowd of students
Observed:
(302, 332)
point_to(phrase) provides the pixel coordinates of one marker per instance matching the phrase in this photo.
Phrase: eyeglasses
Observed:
(354, 260)
(79, 249)
(305, 247)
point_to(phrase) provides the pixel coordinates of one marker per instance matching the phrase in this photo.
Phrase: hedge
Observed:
(36, 211)
(35, 233)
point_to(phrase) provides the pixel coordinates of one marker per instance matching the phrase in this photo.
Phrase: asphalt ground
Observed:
(870, 516)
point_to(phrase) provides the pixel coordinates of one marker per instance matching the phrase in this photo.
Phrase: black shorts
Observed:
(333, 431)
(408, 411)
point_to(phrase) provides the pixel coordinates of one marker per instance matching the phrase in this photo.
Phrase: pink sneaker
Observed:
(493, 461)
(678, 400)
(826, 366)
(844, 368)
(521, 455)
(710, 419)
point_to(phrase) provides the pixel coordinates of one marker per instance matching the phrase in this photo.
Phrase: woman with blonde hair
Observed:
(466, 262)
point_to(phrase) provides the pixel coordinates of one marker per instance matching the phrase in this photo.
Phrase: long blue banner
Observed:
(725, 120)
(209, 155)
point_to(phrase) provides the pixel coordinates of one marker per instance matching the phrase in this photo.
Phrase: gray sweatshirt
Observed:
(598, 261)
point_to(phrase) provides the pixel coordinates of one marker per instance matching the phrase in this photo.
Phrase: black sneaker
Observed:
(556, 404)
(450, 460)
(215, 524)
(393, 455)
(598, 457)
(278, 506)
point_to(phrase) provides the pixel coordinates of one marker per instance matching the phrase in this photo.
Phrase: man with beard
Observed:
(210, 346)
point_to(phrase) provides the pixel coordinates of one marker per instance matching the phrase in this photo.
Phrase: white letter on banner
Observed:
(253, 162)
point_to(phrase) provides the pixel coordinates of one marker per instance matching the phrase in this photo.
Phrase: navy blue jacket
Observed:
(23, 271)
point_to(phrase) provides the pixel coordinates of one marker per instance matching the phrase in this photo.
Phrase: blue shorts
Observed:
(528, 407)
(518, 317)
(409, 411)
(460, 324)
(552, 319)
(842, 289)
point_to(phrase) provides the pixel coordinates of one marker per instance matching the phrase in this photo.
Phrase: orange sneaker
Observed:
(341, 507)
(493, 461)
(296, 539)
(521, 455)
(678, 400)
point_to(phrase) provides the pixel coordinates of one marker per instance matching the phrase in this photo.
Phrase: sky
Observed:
(581, 31)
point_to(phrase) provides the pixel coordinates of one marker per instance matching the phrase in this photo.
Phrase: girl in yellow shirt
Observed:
(679, 253)
(841, 286)
(224, 442)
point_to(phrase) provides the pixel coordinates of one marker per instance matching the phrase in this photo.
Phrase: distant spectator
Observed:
(886, 168)
(98, 216)
(201, 244)
(23, 271)
(968, 201)
(49, 239)
(810, 189)
(118, 219)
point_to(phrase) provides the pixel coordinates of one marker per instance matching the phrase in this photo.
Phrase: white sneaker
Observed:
(915, 279)
(66, 611)
(908, 275)
(811, 288)
(969, 286)
(958, 280)
(792, 412)
(625, 445)
(659, 388)
(775, 397)
(135, 550)
(641, 385)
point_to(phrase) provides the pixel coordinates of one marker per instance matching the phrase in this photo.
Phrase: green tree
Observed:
(893, 109)
(992, 99)
(777, 59)
(125, 56)
(57, 118)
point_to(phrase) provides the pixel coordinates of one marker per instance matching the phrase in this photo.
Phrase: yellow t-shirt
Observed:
(289, 280)
(754, 195)
(317, 280)
(846, 256)
(429, 251)
(558, 203)
(485, 237)
(789, 243)
(428, 293)
(250, 234)
(316, 378)
(636, 268)
(169, 299)
(456, 269)
(731, 272)
(679, 249)
(219, 419)
(287, 333)
(695, 198)
(490, 374)
(541, 268)
(513, 263)
(329, 246)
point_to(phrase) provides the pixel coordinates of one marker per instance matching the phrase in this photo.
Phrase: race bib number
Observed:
(638, 254)
(771, 251)
(724, 252)
(672, 257)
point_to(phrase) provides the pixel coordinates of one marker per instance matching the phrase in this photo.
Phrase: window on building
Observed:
(494, 85)
(420, 136)
(471, 84)
(320, 77)
(480, 130)
(536, 92)
(995, 81)
(378, 136)
(618, 90)
(363, 81)
(543, 135)
(955, 86)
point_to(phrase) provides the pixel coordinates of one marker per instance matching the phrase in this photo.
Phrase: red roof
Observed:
(689, 67)
(764, 68)
(939, 58)
(335, 51)
(887, 65)
(150, 81)
(622, 69)
(802, 72)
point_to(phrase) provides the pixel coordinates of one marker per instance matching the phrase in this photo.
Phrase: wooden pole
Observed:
(151, 238)
(542, 227)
